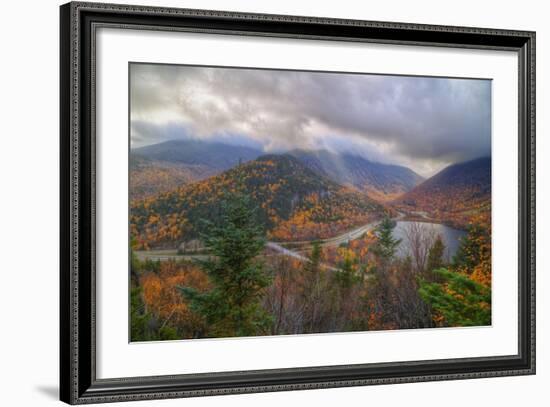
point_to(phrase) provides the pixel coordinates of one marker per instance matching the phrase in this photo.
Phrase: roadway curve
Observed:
(337, 240)
(279, 247)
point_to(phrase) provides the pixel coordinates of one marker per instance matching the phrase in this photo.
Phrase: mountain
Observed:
(158, 167)
(456, 194)
(293, 203)
(213, 155)
(382, 182)
(150, 177)
(165, 166)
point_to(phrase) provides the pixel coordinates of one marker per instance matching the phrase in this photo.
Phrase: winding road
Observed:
(277, 247)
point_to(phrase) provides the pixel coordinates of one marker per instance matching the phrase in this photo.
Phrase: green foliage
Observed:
(435, 255)
(461, 301)
(232, 307)
(386, 245)
(135, 265)
(312, 266)
(346, 277)
(138, 318)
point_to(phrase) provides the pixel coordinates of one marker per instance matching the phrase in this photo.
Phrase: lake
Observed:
(451, 237)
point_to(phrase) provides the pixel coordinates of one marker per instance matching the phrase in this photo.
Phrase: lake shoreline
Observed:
(451, 236)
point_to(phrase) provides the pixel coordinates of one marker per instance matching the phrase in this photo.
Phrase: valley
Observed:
(455, 196)
(301, 197)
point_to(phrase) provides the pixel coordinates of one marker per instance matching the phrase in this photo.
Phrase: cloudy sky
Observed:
(422, 123)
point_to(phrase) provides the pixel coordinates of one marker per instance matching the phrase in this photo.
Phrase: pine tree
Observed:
(312, 267)
(386, 245)
(346, 277)
(232, 307)
(435, 255)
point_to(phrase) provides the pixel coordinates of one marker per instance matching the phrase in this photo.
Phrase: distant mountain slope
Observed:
(456, 194)
(150, 177)
(214, 155)
(382, 182)
(165, 166)
(294, 203)
(174, 162)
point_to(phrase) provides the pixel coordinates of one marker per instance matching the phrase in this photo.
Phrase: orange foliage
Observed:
(323, 218)
(481, 272)
(457, 207)
(162, 297)
(292, 205)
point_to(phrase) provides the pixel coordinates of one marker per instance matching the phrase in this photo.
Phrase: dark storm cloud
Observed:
(423, 123)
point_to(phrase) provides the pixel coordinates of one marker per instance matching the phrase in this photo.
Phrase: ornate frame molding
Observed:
(79, 21)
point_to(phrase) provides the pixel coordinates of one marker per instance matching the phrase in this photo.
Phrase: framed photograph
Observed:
(255, 203)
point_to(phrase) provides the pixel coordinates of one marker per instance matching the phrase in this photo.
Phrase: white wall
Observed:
(29, 202)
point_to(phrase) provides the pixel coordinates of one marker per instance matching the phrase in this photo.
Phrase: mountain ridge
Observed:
(195, 160)
(214, 154)
(455, 195)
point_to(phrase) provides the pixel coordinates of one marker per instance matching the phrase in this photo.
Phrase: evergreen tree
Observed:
(435, 255)
(469, 253)
(312, 267)
(380, 289)
(232, 307)
(346, 277)
(138, 317)
(459, 300)
(311, 290)
(135, 265)
(386, 245)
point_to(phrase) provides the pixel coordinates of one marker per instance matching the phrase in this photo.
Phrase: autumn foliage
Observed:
(237, 285)
(294, 204)
(162, 301)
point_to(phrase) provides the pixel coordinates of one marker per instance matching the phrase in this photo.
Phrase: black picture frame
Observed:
(78, 382)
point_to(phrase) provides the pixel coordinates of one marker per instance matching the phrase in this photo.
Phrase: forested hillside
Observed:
(294, 204)
(456, 195)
